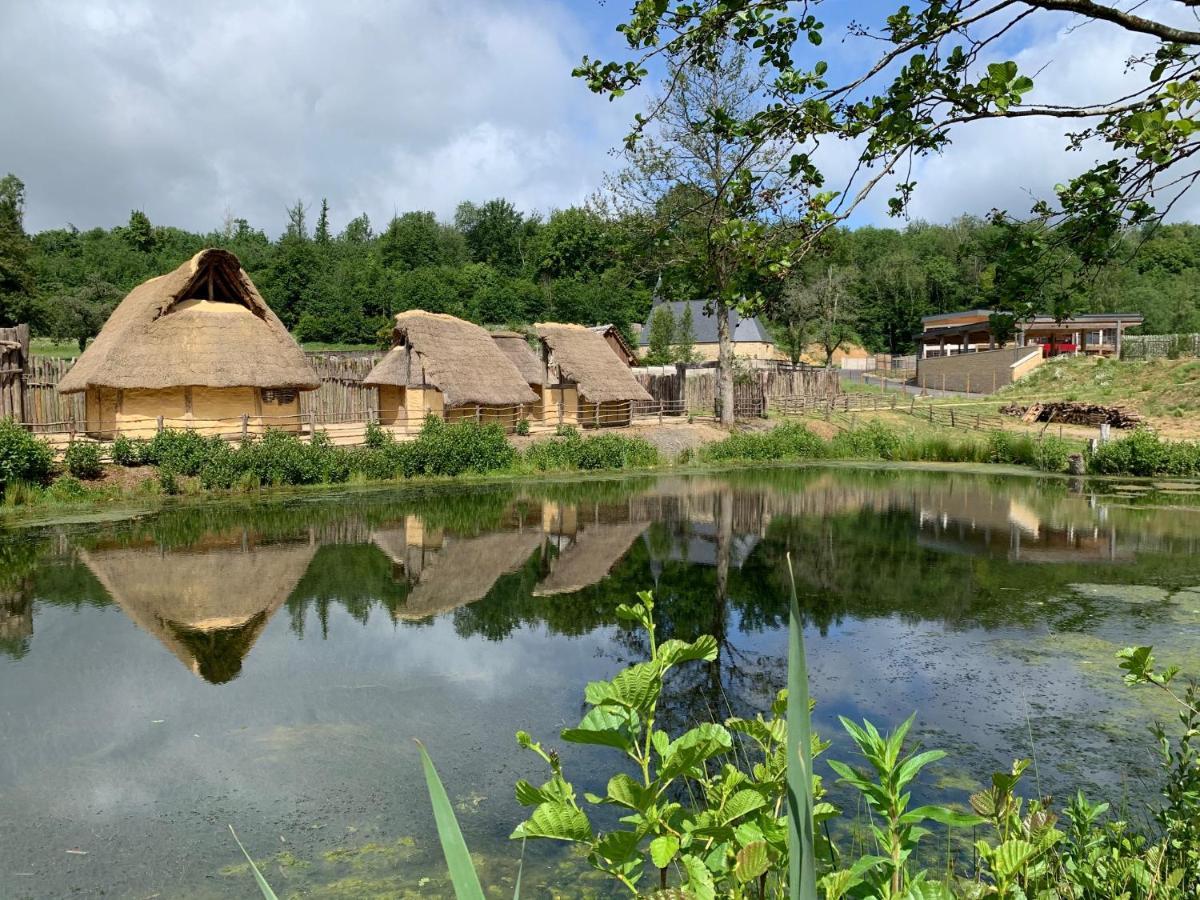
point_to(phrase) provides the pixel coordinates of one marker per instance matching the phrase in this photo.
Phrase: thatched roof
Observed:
(203, 325)
(584, 357)
(206, 608)
(517, 349)
(458, 358)
(596, 550)
(465, 569)
(612, 332)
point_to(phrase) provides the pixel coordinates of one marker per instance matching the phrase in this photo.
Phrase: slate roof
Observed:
(705, 326)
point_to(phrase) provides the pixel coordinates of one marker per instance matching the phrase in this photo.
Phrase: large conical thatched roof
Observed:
(465, 569)
(203, 325)
(458, 358)
(584, 357)
(517, 349)
(208, 608)
(596, 550)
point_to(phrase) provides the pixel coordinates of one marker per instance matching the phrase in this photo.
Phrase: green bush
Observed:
(68, 489)
(84, 460)
(183, 452)
(22, 456)
(523, 428)
(602, 451)
(1141, 453)
(787, 441)
(871, 441)
(1051, 454)
(447, 450)
(127, 452)
(1013, 449)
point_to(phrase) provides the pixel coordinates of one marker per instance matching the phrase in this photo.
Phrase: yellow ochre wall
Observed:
(135, 412)
(568, 396)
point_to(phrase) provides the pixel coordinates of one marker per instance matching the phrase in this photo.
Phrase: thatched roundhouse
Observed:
(443, 366)
(516, 347)
(183, 597)
(586, 383)
(198, 347)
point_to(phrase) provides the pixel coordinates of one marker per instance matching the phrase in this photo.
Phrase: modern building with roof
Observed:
(750, 337)
(970, 331)
(443, 366)
(197, 348)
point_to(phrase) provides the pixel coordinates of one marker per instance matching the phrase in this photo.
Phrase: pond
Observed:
(266, 664)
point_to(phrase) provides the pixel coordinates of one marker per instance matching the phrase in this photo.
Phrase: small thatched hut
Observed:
(198, 347)
(184, 597)
(440, 365)
(532, 369)
(586, 382)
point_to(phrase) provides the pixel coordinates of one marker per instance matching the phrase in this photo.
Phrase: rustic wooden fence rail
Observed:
(14, 352)
(695, 390)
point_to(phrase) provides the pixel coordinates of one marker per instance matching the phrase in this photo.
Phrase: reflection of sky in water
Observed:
(914, 600)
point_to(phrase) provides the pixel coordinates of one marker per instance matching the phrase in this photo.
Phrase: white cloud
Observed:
(187, 112)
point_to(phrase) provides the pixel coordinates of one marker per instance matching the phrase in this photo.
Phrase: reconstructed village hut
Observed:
(207, 605)
(586, 383)
(200, 348)
(516, 347)
(443, 366)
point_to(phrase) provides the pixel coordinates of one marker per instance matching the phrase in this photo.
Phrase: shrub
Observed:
(127, 452)
(1014, 449)
(444, 449)
(183, 452)
(168, 482)
(1051, 454)
(68, 489)
(787, 441)
(376, 438)
(1140, 453)
(523, 428)
(23, 457)
(871, 441)
(602, 451)
(84, 461)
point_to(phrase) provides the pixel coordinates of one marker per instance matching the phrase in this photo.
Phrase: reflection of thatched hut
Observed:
(208, 608)
(596, 550)
(586, 382)
(198, 347)
(440, 365)
(532, 369)
(461, 572)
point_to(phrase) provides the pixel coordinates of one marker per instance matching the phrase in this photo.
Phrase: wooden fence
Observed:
(695, 390)
(342, 396)
(1159, 346)
(14, 351)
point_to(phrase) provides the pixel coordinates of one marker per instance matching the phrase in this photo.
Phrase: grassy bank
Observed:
(185, 463)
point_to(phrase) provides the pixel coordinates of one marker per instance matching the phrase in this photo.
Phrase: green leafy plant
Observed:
(688, 812)
(522, 428)
(84, 460)
(23, 457)
(128, 452)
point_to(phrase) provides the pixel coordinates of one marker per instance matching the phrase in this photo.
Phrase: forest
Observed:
(340, 283)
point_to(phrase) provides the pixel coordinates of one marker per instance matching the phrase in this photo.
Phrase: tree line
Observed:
(497, 265)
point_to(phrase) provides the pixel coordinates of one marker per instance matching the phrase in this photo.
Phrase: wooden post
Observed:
(993, 381)
(245, 426)
(560, 406)
(478, 414)
(952, 422)
(596, 415)
(930, 412)
(160, 424)
(660, 406)
(968, 382)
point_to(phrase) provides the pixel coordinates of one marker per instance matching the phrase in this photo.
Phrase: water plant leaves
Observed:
(751, 862)
(699, 879)
(663, 850)
(556, 821)
(635, 688)
(454, 848)
(263, 887)
(604, 726)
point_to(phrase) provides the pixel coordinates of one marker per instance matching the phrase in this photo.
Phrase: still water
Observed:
(266, 665)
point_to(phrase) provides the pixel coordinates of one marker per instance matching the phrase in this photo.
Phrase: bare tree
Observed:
(708, 192)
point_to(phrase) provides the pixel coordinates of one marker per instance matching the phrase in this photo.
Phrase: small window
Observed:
(280, 396)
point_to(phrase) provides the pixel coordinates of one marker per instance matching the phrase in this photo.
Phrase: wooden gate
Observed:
(14, 355)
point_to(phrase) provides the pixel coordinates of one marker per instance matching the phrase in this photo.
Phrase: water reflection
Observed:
(208, 604)
(319, 634)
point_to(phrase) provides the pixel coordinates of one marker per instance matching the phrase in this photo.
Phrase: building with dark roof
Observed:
(750, 337)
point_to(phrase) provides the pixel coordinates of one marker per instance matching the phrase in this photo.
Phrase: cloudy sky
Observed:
(193, 112)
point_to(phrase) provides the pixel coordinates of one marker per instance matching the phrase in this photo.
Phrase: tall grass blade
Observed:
(802, 857)
(265, 888)
(454, 848)
(520, 869)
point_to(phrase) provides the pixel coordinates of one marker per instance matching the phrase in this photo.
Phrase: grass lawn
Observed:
(319, 347)
(41, 346)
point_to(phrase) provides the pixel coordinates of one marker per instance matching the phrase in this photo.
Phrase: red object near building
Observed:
(1058, 348)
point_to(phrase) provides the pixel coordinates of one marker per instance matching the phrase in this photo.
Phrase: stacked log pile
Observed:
(1071, 413)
